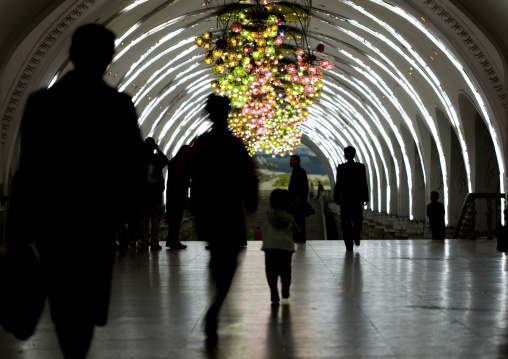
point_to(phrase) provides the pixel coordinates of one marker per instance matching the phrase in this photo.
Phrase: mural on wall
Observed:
(274, 172)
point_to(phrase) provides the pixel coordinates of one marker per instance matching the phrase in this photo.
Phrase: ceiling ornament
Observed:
(265, 65)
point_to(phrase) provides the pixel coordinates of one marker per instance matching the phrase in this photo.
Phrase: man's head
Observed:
(279, 199)
(349, 153)
(434, 196)
(218, 109)
(92, 49)
(150, 144)
(294, 161)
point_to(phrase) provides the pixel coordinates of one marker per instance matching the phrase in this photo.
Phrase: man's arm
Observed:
(365, 188)
(336, 191)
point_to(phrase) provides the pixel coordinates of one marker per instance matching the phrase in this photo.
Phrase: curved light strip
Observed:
(159, 97)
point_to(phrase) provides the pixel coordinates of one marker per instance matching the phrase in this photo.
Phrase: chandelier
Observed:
(265, 66)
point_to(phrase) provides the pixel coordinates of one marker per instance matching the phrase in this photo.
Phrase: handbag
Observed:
(308, 210)
(22, 290)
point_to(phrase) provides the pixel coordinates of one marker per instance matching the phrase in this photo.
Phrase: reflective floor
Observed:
(387, 299)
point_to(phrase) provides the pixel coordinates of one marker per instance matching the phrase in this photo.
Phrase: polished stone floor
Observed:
(387, 299)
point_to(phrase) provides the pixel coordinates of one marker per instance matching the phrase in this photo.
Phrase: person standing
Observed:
(311, 190)
(298, 191)
(80, 172)
(436, 214)
(152, 206)
(219, 205)
(320, 189)
(176, 196)
(351, 194)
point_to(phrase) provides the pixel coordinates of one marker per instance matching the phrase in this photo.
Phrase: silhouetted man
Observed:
(80, 173)
(152, 206)
(223, 184)
(436, 214)
(298, 191)
(351, 194)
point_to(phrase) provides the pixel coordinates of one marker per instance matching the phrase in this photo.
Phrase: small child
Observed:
(278, 230)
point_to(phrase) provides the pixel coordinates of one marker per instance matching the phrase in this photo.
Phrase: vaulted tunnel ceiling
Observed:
(395, 67)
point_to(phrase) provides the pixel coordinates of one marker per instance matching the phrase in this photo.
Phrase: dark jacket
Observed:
(158, 161)
(81, 167)
(351, 184)
(436, 214)
(223, 183)
(298, 185)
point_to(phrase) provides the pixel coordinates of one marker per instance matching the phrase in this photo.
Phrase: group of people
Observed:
(80, 185)
(146, 225)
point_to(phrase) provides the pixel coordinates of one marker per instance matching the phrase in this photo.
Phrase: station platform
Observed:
(386, 299)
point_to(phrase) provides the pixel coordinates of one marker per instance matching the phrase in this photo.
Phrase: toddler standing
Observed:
(278, 230)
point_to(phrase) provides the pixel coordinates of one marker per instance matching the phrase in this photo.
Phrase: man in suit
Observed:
(298, 191)
(351, 194)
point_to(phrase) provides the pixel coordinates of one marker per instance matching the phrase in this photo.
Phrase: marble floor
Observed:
(387, 299)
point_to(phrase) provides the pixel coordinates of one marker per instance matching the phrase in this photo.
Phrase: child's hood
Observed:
(279, 219)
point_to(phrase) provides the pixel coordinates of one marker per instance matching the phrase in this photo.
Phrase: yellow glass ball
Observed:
(207, 45)
(199, 41)
(217, 53)
(207, 35)
(261, 42)
(317, 93)
(214, 84)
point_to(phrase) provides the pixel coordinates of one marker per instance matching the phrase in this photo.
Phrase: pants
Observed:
(223, 262)
(151, 214)
(78, 284)
(298, 212)
(278, 263)
(438, 233)
(174, 217)
(351, 217)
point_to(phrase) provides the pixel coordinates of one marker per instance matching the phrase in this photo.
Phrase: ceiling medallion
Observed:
(264, 64)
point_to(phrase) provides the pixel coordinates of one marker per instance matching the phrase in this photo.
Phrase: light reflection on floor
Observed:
(387, 299)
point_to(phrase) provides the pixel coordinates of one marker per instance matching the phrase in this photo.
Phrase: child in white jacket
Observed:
(278, 230)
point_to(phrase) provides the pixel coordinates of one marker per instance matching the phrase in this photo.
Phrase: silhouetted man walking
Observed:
(436, 214)
(298, 191)
(351, 194)
(81, 171)
(223, 183)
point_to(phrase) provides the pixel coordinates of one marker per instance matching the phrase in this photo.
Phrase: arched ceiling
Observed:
(395, 61)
